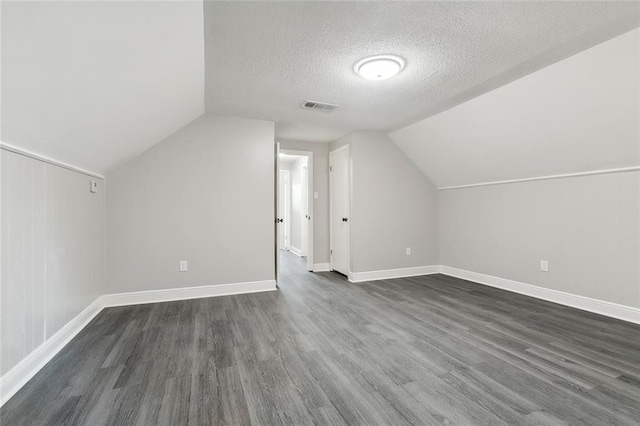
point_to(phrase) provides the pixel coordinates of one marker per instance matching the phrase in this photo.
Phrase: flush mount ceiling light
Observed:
(379, 67)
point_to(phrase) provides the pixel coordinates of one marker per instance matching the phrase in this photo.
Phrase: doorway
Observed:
(294, 218)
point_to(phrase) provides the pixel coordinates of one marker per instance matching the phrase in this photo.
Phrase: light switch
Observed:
(544, 265)
(315, 195)
(93, 186)
(183, 266)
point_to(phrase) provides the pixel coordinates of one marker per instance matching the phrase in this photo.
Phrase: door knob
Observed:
(344, 219)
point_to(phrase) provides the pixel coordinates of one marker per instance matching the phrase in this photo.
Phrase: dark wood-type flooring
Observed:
(424, 350)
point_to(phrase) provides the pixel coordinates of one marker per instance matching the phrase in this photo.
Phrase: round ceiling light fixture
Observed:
(379, 67)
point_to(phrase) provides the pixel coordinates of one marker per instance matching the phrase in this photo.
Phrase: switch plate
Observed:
(544, 265)
(315, 195)
(184, 265)
(407, 251)
(93, 186)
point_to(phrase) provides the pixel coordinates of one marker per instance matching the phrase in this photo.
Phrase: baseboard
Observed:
(387, 274)
(19, 375)
(168, 295)
(295, 251)
(321, 267)
(609, 309)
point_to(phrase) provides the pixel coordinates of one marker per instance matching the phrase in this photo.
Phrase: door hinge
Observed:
(330, 251)
(330, 168)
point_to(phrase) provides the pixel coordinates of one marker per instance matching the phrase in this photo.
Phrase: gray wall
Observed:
(586, 227)
(52, 252)
(393, 206)
(205, 195)
(321, 186)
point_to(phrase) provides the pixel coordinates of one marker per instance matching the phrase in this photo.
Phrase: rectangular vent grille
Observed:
(319, 106)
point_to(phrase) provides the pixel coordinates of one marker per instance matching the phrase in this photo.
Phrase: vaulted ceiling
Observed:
(94, 83)
(578, 115)
(263, 59)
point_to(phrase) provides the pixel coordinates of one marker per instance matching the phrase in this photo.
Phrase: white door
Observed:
(339, 215)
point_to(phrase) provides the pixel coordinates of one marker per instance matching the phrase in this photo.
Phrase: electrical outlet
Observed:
(407, 251)
(544, 265)
(184, 265)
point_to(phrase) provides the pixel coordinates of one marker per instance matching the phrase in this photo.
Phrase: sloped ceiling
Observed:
(263, 59)
(94, 83)
(577, 115)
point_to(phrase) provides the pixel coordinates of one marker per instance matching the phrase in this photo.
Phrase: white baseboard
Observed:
(321, 267)
(21, 373)
(609, 309)
(386, 274)
(295, 251)
(18, 376)
(168, 295)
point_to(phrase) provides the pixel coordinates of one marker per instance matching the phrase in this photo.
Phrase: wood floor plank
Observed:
(421, 350)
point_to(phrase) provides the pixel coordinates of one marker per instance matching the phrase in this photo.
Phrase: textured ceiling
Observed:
(577, 115)
(263, 59)
(94, 83)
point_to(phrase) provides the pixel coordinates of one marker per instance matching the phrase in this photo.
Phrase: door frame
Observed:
(349, 183)
(310, 199)
(285, 215)
(276, 201)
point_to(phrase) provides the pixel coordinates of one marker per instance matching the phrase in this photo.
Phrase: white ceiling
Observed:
(94, 83)
(263, 59)
(581, 114)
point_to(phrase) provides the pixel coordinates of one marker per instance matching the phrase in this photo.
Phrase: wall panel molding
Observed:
(48, 160)
(563, 176)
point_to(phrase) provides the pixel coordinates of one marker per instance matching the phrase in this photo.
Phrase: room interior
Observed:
(464, 249)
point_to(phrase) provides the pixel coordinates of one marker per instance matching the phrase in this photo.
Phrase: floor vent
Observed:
(318, 106)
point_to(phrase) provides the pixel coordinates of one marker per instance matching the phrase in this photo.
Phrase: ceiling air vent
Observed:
(318, 106)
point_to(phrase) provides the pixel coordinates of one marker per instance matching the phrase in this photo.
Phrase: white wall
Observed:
(577, 115)
(92, 83)
(321, 186)
(206, 195)
(586, 227)
(52, 252)
(393, 206)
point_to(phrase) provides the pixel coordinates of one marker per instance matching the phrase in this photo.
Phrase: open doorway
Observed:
(295, 205)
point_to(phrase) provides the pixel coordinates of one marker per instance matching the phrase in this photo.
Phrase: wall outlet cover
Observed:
(544, 265)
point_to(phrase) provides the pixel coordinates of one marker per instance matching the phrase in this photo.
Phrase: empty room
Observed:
(319, 212)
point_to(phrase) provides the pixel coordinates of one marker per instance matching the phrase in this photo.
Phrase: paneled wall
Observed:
(52, 251)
